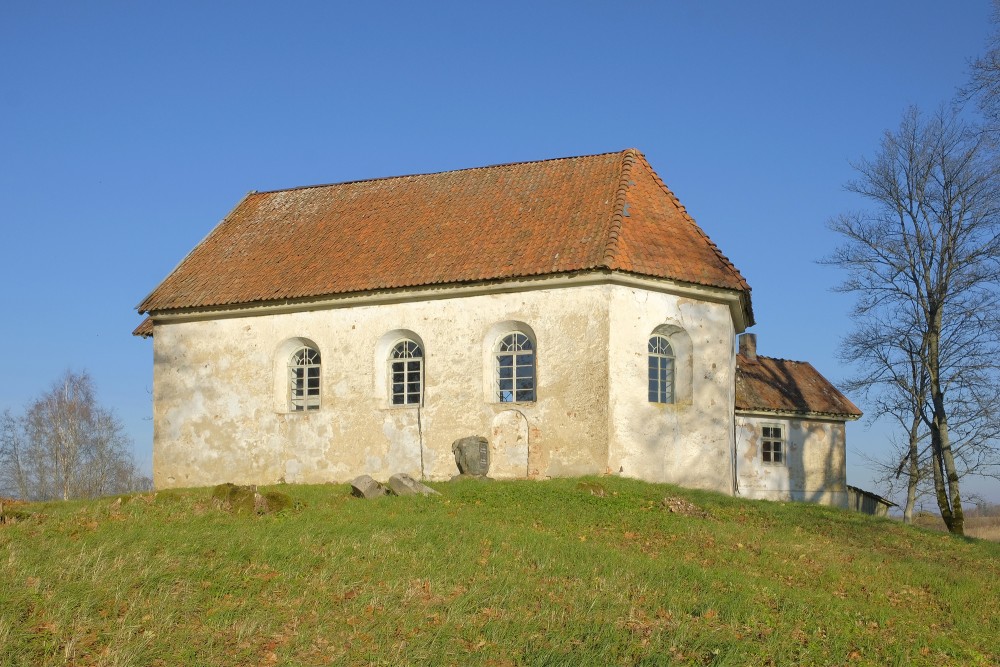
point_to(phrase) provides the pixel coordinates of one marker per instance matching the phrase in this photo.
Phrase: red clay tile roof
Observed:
(145, 328)
(780, 385)
(608, 211)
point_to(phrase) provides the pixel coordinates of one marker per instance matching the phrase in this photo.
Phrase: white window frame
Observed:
(304, 379)
(403, 356)
(768, 440)
(507, 354)
(662, 379)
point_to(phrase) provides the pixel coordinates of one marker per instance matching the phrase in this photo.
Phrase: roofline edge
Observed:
(598, 276)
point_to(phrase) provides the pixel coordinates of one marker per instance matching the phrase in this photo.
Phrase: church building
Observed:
(570, 311)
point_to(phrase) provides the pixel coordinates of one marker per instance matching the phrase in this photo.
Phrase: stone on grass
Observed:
(246, 499)
(593, 488)
(478, 478)
(365, 487)
(472, 455)
(275, 501)
(677, 505)
(404, 485)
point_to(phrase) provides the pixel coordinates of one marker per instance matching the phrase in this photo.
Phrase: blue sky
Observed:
(129, 129)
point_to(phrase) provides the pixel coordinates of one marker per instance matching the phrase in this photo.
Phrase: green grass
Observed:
(505, 573)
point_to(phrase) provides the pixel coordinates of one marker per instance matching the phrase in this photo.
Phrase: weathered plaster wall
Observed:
(689, 442)
(220, 408)
(815, 470)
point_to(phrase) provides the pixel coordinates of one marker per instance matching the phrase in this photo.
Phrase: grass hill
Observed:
(503, 573)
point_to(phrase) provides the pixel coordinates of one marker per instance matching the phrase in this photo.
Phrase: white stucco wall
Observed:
(220, 404)
(220, 391)
(689, 442)
(815, 469)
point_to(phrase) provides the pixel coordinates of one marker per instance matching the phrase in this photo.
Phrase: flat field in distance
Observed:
(489, 573)
(979, 522)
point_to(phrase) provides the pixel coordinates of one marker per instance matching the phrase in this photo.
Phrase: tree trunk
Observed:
(914, 470)
(946, 485)
(957, 524)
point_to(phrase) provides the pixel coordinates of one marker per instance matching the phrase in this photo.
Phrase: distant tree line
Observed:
(66, 445)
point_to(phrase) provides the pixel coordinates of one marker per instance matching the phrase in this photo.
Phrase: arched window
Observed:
(661, 370)
(303, 379)
(515, 370)
(406, 373)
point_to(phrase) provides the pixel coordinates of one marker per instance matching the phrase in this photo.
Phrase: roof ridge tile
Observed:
(764, 356)
(435, 173)
(621, 202)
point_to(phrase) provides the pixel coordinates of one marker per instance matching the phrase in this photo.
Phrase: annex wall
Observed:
(690, 441)
(815, 469)
(221, 412)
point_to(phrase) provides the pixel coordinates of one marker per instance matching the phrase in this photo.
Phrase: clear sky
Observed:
(129, 129)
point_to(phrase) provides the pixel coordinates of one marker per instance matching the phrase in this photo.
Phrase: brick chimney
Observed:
(748, 346)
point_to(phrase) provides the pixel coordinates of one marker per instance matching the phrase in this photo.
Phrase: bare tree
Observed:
(924, 262)
(66, 445)
(892, 377)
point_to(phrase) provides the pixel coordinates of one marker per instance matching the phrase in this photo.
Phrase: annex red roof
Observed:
(780, 385)
(608, 211)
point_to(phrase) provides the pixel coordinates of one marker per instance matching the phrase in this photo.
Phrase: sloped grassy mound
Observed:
(604, 572)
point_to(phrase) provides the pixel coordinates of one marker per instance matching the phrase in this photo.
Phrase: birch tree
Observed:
(65, 445)
(923, 259)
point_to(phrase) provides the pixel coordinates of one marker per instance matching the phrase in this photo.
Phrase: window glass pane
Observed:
(660, 370)
(304, 379)
(413, 366)
(515, 369)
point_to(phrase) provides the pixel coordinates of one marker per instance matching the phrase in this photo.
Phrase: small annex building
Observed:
(568, 310)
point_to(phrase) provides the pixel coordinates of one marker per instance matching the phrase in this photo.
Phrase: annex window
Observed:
(303, 379)
(406, 373)
(515, 369)
(772, 445)
(661, 370)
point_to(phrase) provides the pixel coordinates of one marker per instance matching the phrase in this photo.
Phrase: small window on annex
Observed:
(772, 448)
(406, 373)
(661, 370)
(303, 379)
(515, 369)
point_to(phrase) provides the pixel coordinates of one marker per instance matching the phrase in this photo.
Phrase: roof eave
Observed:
(798, 414)
(596, 276)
